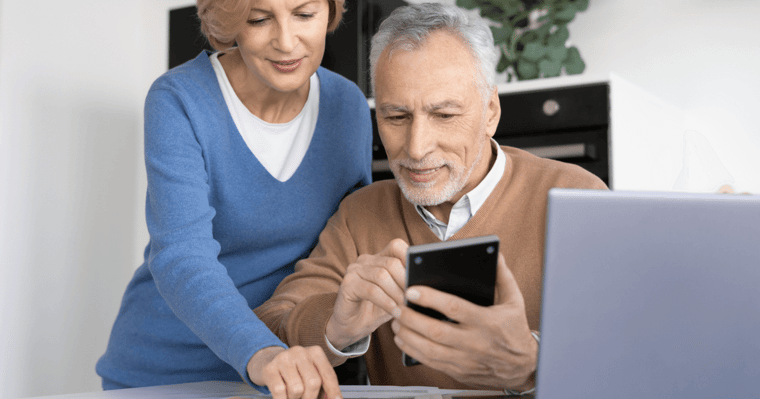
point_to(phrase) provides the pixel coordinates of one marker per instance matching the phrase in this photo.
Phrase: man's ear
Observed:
(493, 112)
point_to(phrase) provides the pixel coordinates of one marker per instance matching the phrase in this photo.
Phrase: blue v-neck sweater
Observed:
(223, 231)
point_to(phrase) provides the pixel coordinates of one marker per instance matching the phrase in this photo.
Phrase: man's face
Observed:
(432, 120)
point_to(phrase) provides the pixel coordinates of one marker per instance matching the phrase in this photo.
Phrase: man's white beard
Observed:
(422, 193)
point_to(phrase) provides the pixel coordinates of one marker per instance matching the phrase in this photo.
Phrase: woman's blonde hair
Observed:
(222, 20)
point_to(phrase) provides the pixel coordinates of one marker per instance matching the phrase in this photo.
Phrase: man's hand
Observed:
(294, 373)
(490, 347)
(372, 287)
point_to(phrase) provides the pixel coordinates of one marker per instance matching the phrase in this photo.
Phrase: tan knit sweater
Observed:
(374, 215)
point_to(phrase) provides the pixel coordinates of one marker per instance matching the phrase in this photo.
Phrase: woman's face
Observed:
(283, 41)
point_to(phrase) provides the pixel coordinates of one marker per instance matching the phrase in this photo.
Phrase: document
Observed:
(224, 390)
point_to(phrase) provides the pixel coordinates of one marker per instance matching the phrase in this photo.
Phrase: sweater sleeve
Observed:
(299, 309)
(184, 254)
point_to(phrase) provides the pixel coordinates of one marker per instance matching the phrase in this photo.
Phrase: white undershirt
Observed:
(279, 147)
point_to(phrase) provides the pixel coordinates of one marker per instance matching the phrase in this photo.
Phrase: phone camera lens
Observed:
(417, 260)
(490, 249)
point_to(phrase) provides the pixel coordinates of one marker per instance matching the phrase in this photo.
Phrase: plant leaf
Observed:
(533, 52)
(468, 4)
(565, 15)
(526, 70)
(503, 64)
(559, 37)
(509, 7)
(543, 31)
(581, 5)
(549, 68)
(556, 53)
(574, 64)
(501, 35)
(492, 11)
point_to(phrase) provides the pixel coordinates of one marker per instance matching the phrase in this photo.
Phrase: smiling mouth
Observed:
(288, 65)
(423, 175)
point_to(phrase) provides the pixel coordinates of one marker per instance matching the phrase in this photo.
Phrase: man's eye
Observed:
(395, 118)
(445, 116)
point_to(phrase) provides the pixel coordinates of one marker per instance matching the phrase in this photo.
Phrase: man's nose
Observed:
(420, 139)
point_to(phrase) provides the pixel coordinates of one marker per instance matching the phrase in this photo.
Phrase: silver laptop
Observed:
(650, 295)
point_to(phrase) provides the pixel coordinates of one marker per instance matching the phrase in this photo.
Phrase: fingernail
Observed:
(398, 341)
(394, 326)
(396, 312)
(412, 294)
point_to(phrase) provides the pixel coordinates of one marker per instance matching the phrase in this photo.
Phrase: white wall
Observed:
(73, 76)
(72, 179)
(700, 56)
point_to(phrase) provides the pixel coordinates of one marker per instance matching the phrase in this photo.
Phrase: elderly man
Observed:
(432, 70)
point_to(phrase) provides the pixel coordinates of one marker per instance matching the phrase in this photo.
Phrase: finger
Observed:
(379, 272)
(451, 306)
(430, 352)
(358, 289)
(396, 249)
(310, 376)
(274, 381)
(291, 376)
(507, 290)
(330, 383)
(428, 328)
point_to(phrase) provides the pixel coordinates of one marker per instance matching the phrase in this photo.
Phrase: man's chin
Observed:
(422, 194)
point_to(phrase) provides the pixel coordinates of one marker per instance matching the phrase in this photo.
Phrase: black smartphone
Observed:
(466, 268)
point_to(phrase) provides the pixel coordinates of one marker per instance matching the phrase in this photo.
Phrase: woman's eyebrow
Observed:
(306, 4)
(296, 8)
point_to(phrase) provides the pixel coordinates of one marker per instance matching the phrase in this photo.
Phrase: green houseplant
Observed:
(532, 35)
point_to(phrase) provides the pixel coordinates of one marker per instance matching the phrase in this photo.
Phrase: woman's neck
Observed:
(260, 99)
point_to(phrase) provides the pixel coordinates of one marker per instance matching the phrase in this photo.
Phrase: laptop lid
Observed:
(653, 295)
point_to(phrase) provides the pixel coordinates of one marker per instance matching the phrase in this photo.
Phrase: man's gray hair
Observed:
(408, 27)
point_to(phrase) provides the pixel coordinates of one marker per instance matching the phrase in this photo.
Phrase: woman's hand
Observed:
(294, 373)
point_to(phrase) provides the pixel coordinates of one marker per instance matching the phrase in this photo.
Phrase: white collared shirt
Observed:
(469, 204)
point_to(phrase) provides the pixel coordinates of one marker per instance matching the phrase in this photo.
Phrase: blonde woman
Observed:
(248, 152)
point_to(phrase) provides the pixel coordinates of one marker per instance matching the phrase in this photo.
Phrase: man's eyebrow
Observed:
(391, 108)
(442, 104)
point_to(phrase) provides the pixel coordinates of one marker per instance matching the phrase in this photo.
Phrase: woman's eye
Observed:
(257, 21)
(305, 15)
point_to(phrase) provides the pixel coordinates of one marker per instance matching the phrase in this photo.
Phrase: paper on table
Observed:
(223, 390)
(382, 392)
